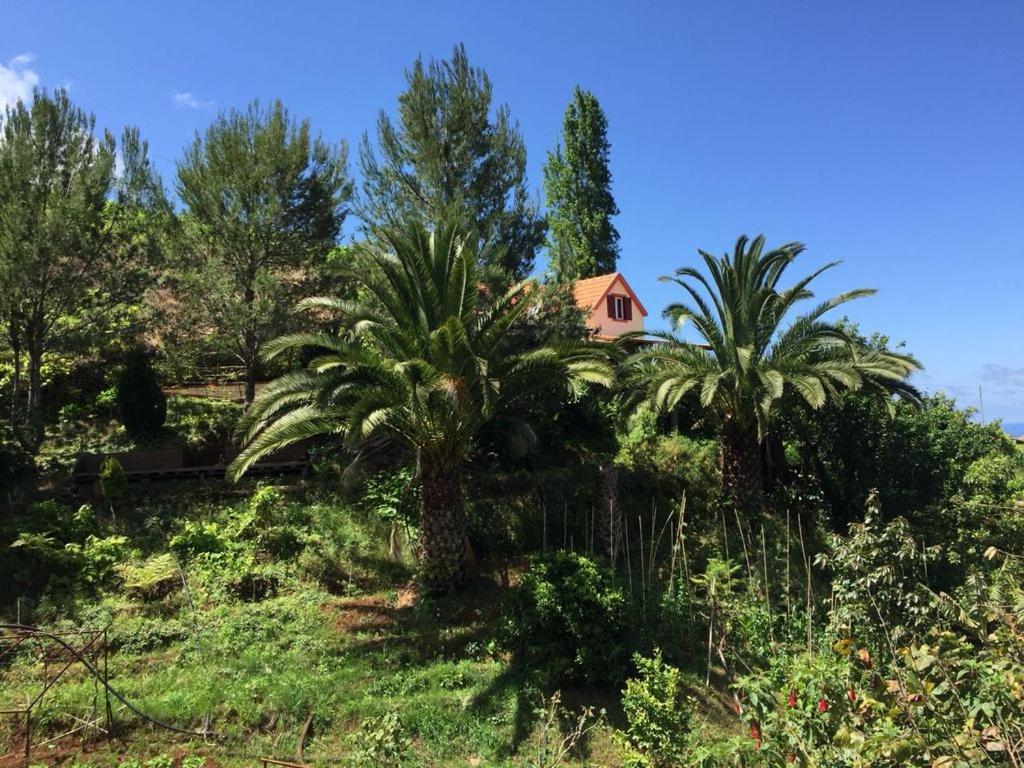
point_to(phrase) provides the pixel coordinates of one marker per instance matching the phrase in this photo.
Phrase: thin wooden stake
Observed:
(682, 537)
(643, 568)
(767, 589)
(789, 583)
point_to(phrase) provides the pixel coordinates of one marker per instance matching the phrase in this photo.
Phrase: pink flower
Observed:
(823, 705)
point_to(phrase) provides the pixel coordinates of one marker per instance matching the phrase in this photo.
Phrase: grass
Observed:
(345, 658)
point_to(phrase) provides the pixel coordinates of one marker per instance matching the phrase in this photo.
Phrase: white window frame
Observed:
(620, 307)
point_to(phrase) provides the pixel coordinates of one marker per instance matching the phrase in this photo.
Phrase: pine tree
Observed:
(265, 200)
(74, 239)
(582, 241)
(447, 157)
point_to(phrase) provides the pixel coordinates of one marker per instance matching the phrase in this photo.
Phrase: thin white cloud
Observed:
(188, 100)
(994, 373)
(17, 80)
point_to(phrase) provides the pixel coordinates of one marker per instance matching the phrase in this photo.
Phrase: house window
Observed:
(620, 308)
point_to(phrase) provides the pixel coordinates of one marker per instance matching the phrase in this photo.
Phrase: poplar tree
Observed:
(447, 156)
(264, 200)
(582, 240)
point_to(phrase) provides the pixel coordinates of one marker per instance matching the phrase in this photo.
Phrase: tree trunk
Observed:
(15, 385)
(442, 525)
(34, 416)
(250, 383)
(741, 469)
(609, 516)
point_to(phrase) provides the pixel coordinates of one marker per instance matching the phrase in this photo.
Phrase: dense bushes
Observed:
(567, 619)
(916, 460)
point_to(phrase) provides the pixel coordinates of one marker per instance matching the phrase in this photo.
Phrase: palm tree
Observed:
(420, 358)
(749, 362)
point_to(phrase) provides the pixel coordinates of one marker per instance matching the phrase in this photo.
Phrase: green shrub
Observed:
(105, 403)
(198, 536)
(113, 480)
(152, 578)
(657, 711)
(141, 404)
(202, 422)
(567, 619)
(380, 742)
(393, 496)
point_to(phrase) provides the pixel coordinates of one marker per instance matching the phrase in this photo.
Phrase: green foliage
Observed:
(141, 403)
(68, 256)
(151, 578)
(202, 422)
(392, 496)
(750, 363)
(265, 200)
(658, 711)
(567, 620)
(380, 741)
(876, 573)
(199, 536)
(54, 179)
(395, 363)
(583, 241)
(447, 158)
(915, 460)
(113, 480)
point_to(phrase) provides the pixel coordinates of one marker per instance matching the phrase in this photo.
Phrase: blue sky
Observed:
(888, 135)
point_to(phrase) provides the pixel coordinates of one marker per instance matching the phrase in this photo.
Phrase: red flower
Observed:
(791, 699)
(790, 758)
(823, 705)
(851, 695)
(755, 733)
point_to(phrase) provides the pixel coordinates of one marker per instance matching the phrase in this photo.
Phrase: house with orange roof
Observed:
(610, 306)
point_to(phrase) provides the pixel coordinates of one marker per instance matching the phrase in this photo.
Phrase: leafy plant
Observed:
(380, 742)
(560, 732)
(113, 480)
(658, 711)
(567, 619)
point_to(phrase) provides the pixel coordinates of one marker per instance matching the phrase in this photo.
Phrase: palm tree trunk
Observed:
(742, 478)
(442, 525)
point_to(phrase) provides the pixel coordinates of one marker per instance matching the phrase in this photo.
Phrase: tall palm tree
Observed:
(423, 359)
(749, 361)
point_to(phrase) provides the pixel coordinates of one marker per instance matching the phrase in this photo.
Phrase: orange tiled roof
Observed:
(589, 292)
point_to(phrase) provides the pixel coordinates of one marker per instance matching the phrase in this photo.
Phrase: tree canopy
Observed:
(582, 240)
(71, 248)
(749, 360)
(448, 155)
(264, 200)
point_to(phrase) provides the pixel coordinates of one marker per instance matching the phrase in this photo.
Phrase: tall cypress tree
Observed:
(447, 156)
(582, 242)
